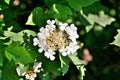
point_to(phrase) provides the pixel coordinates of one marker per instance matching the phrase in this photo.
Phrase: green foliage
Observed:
(78, 4)
(17, 53)
(117, 39)
(9, 68)
(97, 26)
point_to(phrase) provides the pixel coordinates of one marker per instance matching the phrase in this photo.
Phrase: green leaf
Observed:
(8, 71)
(64, 63)
(65, 69)
(30, 20)
(18, 36)
(45, 76)
(18, 54)
(82, 72)
(117, 39)
(1, 60)
(88, 28)
(75, 59)
(7, 1)
(102, 19)
(52, 67)
(95, 8)
(78, 4)
(61, 12)
(39, 17)
(78, 63)
(51, 2)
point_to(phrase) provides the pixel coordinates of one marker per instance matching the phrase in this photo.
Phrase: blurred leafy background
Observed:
(98, 23)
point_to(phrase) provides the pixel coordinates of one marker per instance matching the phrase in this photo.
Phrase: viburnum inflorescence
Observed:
(53, 38)
(31, 74)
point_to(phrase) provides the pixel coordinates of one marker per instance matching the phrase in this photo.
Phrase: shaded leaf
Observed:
(8, 71)
(61, 12)
(78, 4)
(95, 8)
(39, 17)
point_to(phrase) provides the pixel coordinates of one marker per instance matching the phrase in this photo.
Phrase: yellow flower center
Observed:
(57, 39)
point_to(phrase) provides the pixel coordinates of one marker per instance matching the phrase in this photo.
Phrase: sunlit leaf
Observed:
(7, 1)
(102, 19)
(88, 28)
(75, 59)
(117, 39)
(30, 20)
(18, 36)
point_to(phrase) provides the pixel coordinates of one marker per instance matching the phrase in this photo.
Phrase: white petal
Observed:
(72, 26)
(40, 50)
(36, 66)
(41, 36)
(52, 58)
(62, 26)
(64, 53)
(47, 54)
(35, 41)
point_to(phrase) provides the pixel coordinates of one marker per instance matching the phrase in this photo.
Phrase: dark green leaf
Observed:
(61, 12)
(78, 4)
(8, 71)
(39, 17)
(95, 8)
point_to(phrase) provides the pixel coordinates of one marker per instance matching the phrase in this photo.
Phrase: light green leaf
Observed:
(78, 63)
(82, 72)
(30, 20)
(18, 36)
(21, 69)
(102, 19)
(7, 1)
(75, 59)
(117, 39)
(88, 28)
(78, 4)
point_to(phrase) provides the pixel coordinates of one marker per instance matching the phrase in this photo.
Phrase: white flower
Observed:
(62, 26)
(29, 75)
(36, 66)
(61, 38)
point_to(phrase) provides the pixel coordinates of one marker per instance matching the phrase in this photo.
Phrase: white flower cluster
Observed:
(61, 38)
(29, 75)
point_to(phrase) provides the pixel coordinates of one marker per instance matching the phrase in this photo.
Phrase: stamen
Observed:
(57, 39)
